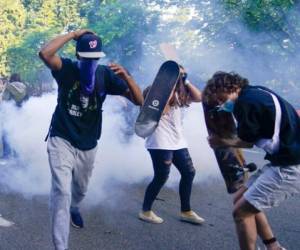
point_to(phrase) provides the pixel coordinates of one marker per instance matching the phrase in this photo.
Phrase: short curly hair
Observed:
(220, 85)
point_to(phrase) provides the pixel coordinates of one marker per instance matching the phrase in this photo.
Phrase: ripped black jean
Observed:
(162, 161)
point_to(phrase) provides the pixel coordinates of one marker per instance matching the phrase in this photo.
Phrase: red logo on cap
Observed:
(93, 44)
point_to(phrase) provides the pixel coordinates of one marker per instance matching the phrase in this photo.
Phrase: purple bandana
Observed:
(87, 68)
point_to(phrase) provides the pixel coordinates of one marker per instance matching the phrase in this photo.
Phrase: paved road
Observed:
(114, 225)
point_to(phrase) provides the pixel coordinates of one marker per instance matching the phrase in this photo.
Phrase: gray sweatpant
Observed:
(71, 169)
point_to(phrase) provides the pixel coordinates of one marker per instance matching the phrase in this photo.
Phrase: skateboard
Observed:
(157, 98)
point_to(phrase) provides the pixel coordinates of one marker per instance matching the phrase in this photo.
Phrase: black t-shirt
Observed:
(73, 121)
(255, 114)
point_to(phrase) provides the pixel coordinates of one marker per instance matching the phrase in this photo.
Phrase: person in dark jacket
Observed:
(268, 121)
(76, 123)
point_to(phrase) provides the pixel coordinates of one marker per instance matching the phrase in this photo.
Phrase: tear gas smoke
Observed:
(116, 161)
(129, 163)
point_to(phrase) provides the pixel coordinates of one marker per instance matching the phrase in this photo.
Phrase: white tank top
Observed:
(169, 133)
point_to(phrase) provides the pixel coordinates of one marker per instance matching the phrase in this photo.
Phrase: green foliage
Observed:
(123, 26)
(33, 5)
(127, 27)
(261, 14)
(53, 14)
(274, 17)
(12, 20)
(41, 21)
(278, 22)
(24, 57)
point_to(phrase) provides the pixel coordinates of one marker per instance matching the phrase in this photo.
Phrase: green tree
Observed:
(24, 57)
(12, 21)
(44, 20)
(52, 13)
(123, 25)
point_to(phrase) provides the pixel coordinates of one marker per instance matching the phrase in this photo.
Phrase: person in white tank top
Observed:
(167, 145)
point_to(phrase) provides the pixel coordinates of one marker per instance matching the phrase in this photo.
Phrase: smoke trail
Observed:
(116, 161)
(26, 128)
(210, 40)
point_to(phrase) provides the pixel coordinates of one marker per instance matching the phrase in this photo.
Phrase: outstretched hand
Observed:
(119, 70)
(79, 33)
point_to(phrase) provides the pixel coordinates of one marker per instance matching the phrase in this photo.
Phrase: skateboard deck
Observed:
(157, 98)
(230, 160)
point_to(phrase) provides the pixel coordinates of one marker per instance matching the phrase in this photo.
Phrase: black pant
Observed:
(162, 160)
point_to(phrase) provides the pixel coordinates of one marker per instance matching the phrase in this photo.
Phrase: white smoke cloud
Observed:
(116, 162)
(26, 129)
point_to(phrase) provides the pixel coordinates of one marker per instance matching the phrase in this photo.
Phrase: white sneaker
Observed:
(151, 217)
(276, 248)
(191, 217)
(280, 248)
(5, 223)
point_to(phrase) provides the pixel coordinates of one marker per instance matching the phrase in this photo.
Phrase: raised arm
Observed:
(195, 93)
(48, 52)
(134, 93)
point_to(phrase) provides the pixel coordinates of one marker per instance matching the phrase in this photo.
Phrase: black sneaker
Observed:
(76, 219)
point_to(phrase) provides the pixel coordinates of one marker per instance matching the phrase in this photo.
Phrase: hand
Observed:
(215, 141)
(79, 33)
(119, 70)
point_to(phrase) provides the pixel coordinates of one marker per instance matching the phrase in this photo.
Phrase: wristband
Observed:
(270, 241)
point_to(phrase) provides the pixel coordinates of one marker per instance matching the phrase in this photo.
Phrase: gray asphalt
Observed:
(114, 224)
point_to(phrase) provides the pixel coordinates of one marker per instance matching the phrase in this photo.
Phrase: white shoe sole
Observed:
(5, 223)
(192, 221)
(75, 226)
(146, 219)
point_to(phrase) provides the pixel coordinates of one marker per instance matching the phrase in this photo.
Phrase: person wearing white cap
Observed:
(76, 123)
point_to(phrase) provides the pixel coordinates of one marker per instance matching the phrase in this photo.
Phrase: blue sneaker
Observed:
(76, 219)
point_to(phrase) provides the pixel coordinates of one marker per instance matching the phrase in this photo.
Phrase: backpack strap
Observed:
(271, 146)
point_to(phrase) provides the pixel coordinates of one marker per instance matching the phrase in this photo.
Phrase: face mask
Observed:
(87, 69)
(227, 106)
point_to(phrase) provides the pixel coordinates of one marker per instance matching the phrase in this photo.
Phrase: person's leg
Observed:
(81, 175)
(239, 193)
(271, 187)
(183, 162)
(283, 182)
(61, 160)
(263, 228)
(162, 160)
(265, 232)
(250, 222)
(244, 218)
